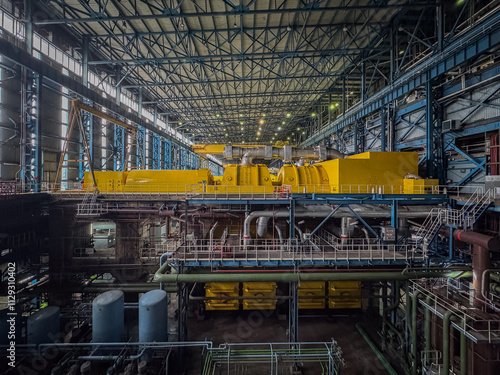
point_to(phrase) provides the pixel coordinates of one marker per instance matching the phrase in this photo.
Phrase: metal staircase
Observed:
(465, 218)
(89, 206)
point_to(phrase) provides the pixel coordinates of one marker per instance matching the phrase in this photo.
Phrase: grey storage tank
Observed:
(108, 317)
(43, 326)
(153, 316)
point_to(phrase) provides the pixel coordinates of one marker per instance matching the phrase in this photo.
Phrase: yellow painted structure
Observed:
(311, 289)
(244, 179)
(259, 290)
(371, 172)
(344, 294)
(429, 186)
(222, 290)
(167, 181)
(304, 179)
(106, 181)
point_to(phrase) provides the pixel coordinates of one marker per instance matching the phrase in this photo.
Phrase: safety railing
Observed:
(273, 358)
(186, 191)
(91, 209)
(440, 296)
(291, 250)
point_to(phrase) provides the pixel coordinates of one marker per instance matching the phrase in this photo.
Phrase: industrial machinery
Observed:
(370, 172)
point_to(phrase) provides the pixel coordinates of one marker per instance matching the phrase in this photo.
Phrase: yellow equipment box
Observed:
(370, 172)
(259, 290)
(312, 289)
(223, 290)
(344, 294)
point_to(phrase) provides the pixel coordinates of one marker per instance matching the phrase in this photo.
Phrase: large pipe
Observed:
(160, 276)
(286, 153)
(323, 213)
(447, 318)
(414, 305)
(482, 245)
(262, 226)
(377, 352)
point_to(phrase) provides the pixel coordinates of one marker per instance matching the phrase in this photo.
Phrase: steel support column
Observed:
(383, 129)
(31, 134)
(429, 129)
(293, 314)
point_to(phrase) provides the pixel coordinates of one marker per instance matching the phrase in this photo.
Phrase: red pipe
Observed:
(483, 244)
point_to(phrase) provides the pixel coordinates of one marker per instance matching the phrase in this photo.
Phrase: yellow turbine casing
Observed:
(106, 182)
(167, 181)
(252, 179)
(305, 178)
(371, 171)
(222, 290)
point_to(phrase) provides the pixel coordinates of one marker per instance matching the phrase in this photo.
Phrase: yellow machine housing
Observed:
(222, 290)
(422, 186)
(344, 294)
(311, 289)
(245, 179)
(305, 178)
(370, 171)
(105, 181)
(259, 290)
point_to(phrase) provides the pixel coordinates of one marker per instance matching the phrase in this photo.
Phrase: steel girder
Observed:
(476, 41)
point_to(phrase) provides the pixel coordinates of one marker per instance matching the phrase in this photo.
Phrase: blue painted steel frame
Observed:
(141, 148)
(88, 126)
(156, 151)
(32, 173)
(476, 41)
(119, 149)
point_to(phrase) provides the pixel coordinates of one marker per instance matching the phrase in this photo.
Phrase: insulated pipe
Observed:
(412, 176)
(212, 230)
(447, 318)
(365, 231)
(160, 276)
(322, 213)
(286, 153)
(280, 234)
(262, 226)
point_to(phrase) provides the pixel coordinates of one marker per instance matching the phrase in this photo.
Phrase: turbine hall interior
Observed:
(255, 187)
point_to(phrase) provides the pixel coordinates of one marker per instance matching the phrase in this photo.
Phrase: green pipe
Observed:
(401, 357)
(408, 313)
(427, 333)
(463, 354)
(377, 352)
(447, 318)
(414, 305)
(289, 276)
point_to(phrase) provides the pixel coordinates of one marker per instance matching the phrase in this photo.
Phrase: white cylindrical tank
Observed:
(43, 326)
(108, 317)
(153, 316)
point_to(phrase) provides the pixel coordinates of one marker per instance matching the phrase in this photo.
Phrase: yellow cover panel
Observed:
(222, 290)
(312, 289)
(259, 290)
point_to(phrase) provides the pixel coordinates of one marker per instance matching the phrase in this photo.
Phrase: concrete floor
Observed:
(262, 326)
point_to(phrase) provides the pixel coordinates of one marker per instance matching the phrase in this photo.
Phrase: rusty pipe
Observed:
(482, 245)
